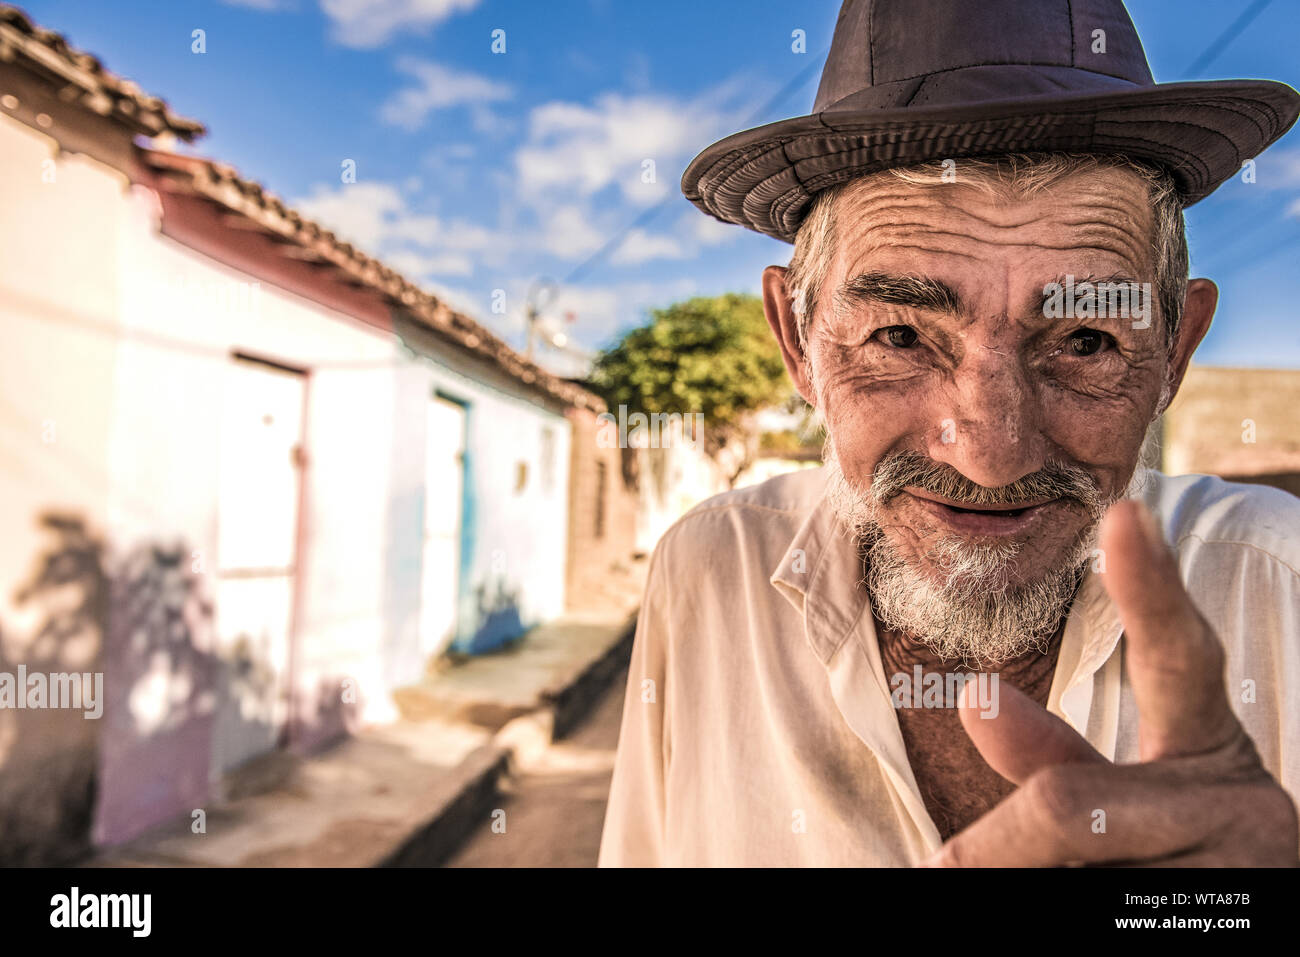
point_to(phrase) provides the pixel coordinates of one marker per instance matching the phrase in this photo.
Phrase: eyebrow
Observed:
(1095, 281)
(917, 292)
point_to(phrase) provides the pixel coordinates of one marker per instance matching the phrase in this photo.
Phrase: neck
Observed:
(900, 652)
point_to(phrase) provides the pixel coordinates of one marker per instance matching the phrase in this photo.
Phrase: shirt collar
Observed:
(820, 575)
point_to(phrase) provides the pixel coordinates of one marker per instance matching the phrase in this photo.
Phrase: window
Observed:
(600, 499)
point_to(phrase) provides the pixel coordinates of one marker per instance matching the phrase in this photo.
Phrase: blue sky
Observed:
(478, 171)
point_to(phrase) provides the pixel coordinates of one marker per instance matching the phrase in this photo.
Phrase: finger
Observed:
(1247, 820)
(1015, 735)
(1174, 659)
(1090, 814)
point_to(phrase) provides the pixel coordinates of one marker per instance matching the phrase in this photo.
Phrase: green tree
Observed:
(714, 356)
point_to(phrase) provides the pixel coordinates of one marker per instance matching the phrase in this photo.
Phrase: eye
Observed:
(904, 337)
(1087, 342)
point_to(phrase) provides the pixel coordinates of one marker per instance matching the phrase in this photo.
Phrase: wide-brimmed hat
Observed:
(908, 81)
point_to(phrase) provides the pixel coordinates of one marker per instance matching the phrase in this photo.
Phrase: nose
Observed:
(991, 424)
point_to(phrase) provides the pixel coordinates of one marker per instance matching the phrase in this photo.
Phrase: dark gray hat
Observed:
(908, 81)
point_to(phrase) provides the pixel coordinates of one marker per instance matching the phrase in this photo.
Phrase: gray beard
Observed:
(974, 614)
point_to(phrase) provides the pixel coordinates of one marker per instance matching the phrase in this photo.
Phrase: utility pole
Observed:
(541, 294)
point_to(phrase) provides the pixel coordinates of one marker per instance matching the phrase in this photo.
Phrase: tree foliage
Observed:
(711, 355)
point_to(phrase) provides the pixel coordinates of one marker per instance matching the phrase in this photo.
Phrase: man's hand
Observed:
(1199, 797)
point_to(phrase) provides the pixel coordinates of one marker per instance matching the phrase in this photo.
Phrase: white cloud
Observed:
(358, 213)
(571, 186)
(1278, 169)
(417, 267)
(594, 305)
(600, 311)
(708, 231)
(472, 302)
(581, 149)
(438, 88)
(568, 232)
(640, 247)
(584, 168)
(462, 235)
(491, 123)
(371, 23)
(376, 218)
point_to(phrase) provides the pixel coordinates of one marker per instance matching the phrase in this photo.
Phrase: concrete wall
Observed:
(673, 481)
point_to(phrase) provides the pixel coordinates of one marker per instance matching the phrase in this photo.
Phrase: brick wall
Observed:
(601, 572)
(1236, 423)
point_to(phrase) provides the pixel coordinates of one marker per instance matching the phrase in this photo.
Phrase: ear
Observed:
(1198, 310)
(779, 308)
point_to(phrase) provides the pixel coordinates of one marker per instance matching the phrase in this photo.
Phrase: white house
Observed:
(254, 478)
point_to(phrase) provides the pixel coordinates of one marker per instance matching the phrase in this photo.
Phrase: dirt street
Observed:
(553, 813)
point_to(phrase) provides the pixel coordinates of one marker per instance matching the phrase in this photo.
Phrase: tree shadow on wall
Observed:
(140, 620)
(160, 692)
(497, 619)
(47, 756)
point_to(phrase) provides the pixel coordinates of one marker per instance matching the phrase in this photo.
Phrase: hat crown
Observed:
(897, 53)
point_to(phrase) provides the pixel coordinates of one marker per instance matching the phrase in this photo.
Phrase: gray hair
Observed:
(1025, 173)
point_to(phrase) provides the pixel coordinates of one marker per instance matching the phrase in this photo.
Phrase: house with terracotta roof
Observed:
(254, 481)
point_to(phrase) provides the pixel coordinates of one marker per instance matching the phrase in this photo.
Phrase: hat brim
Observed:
(1201, 132)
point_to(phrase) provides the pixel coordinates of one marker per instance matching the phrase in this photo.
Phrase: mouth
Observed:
(993, 520)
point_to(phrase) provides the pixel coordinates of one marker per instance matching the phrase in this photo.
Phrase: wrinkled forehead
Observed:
(1089, 220)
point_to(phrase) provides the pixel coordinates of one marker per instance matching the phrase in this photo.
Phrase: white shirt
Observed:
(757, 725)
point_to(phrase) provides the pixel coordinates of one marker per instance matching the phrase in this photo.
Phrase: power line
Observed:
(1214, 49)
(645, 217)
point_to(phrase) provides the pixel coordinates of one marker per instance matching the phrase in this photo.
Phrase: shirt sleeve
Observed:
(633, 835)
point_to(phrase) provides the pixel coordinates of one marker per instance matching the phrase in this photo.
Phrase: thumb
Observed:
(1173, 656)
(1018, 736)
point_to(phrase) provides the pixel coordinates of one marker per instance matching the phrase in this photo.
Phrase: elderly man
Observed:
(982, 634)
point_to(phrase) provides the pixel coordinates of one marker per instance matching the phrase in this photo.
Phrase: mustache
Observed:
(900, 470)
